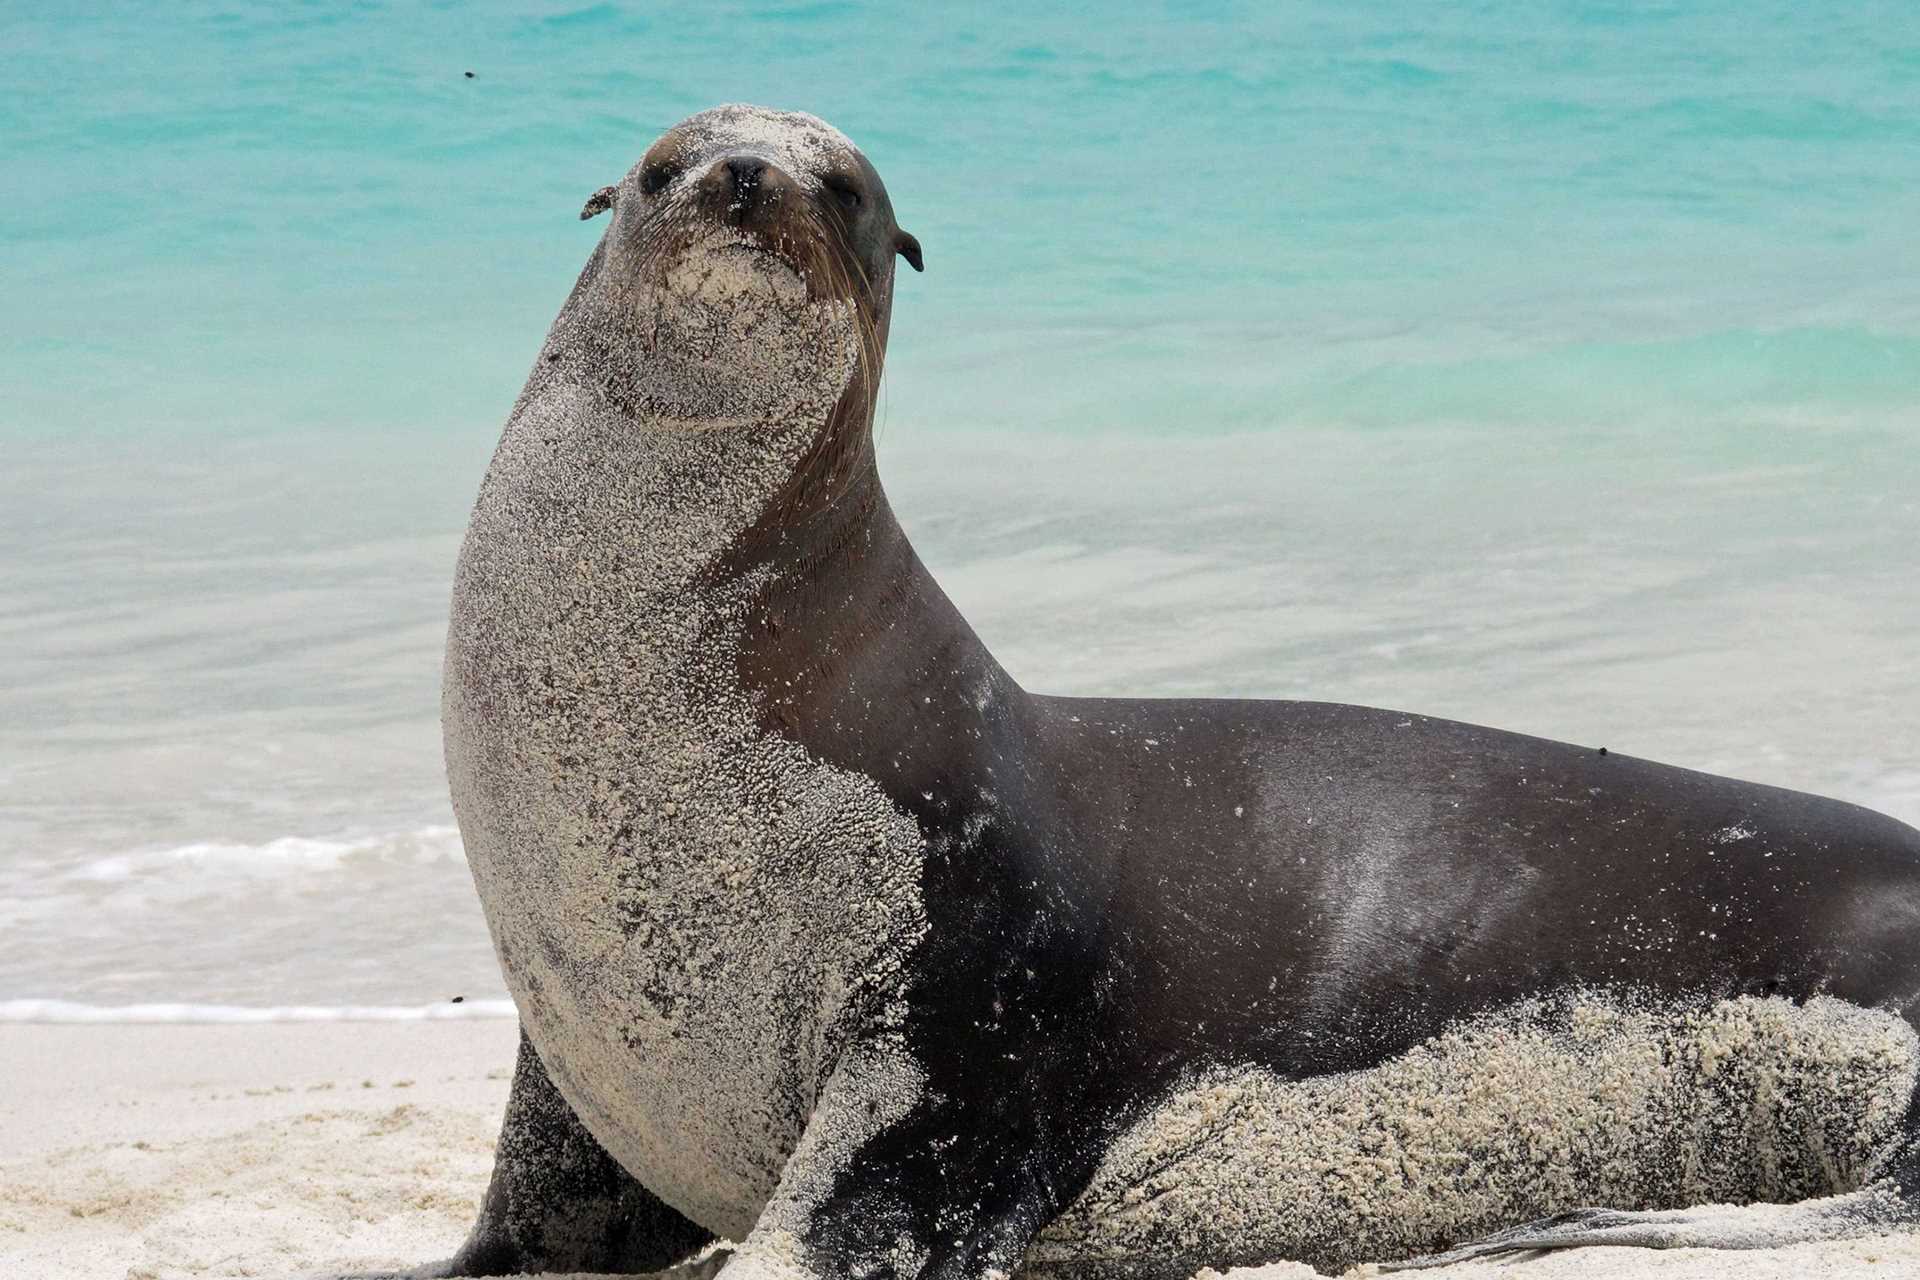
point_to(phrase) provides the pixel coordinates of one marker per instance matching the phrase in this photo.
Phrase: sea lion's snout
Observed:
(746, 190)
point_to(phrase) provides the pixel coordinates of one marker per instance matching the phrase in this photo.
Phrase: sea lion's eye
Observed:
(655, 177)
(844, 191)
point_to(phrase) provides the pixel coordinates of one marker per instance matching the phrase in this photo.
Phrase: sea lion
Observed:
(830, 939)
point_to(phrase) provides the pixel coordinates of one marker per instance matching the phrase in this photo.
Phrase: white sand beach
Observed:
(152, 1152)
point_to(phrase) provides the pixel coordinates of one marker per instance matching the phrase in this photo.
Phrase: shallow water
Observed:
(1560, 372)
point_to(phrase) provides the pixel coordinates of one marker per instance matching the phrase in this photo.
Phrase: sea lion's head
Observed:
(747, 273)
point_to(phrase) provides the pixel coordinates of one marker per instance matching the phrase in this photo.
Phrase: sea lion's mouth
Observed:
(731, 270)
(764, 254)
(751, 248)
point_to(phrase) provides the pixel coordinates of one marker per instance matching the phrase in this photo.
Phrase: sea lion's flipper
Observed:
(1890, 1201)
(559, 1202)
(1869, 1211)
(894, 1175)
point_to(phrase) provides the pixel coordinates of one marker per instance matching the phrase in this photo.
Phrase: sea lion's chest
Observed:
(691, 913)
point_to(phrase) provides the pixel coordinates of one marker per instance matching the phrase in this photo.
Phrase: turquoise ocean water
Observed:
(1548, 365)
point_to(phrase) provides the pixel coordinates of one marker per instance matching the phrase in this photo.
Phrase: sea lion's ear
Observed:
(909, 249)
(599, 202)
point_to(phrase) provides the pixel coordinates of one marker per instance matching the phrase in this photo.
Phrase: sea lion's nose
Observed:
(743, 187)
(746, 171)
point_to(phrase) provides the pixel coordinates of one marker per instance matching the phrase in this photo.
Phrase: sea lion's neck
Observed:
(844, 619)
(766, 551)
(653, 502)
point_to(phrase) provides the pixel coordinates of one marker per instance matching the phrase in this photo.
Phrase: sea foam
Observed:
(286, 855)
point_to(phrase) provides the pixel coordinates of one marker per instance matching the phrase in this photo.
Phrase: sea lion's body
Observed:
(828, 937)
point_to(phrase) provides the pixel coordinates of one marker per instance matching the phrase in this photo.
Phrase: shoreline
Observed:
(168, 1151)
